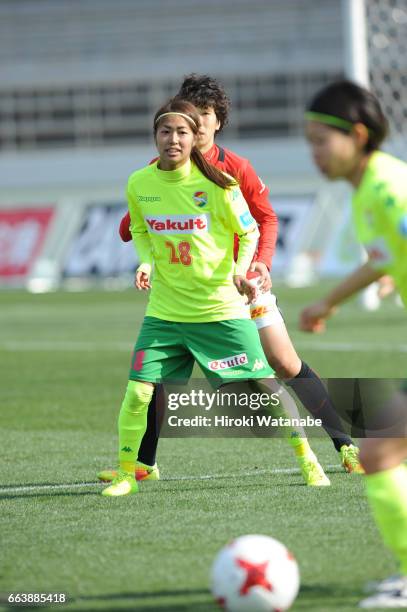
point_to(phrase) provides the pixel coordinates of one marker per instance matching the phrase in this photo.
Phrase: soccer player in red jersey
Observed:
(209, 97)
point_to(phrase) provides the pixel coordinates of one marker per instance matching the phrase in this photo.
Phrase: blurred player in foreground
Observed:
(345, 128)
(210, 98)
(194, 312)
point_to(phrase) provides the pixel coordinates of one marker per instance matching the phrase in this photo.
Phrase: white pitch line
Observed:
(63, 345)
(22, 488)
(79, 485)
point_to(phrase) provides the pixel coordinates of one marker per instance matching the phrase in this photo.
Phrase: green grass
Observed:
(64, 361)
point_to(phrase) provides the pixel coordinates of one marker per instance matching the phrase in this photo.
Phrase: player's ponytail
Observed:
(188, 111)
(342, 104)
(211, 172)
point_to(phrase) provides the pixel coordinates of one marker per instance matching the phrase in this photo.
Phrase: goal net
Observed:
(386, 29)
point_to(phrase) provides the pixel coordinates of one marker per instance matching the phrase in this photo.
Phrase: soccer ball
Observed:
(255, 573)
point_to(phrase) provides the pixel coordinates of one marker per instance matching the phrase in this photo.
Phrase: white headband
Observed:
(175, 113)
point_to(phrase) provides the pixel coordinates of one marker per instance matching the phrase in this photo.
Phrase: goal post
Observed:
(355, 41)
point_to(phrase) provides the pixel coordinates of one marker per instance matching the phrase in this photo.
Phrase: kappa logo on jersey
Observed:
(246, 219)
(228, 362)
(235, 194)
(141, 198)
(200, 198)
(262, 186)
(178, 224)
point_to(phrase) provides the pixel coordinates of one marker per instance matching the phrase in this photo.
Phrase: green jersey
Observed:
(184, 224)
(380, 216)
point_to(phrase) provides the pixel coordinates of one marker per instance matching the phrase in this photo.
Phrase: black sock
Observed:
(148, 447)
(316, 400)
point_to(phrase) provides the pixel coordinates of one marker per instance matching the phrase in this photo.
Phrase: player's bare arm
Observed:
(312, 318)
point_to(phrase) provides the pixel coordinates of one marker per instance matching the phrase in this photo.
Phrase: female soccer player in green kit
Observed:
(184, 214)
(212, 102)
(345, 128)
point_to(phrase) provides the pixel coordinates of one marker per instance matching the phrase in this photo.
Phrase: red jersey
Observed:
(254, 192)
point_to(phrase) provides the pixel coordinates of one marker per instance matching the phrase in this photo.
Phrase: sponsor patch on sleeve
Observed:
(246, 219)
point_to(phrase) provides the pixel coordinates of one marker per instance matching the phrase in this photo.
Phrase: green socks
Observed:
(133, 422)
(387, 495)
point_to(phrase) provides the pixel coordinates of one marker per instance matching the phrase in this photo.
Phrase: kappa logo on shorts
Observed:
(258, 365)
(178, 224)
(228, 362)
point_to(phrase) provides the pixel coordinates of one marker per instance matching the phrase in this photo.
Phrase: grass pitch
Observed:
(64, 363)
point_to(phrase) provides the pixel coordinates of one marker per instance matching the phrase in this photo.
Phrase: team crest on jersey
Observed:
(200, 198)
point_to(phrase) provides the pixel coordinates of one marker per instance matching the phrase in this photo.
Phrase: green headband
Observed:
(329, 120)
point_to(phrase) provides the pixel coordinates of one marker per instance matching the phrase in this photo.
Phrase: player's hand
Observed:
(244, 287)
(313, 318)
(386, 286)
(263, 275)
(142, 281)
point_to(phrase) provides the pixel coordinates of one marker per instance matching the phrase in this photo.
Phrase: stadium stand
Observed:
(80, 73)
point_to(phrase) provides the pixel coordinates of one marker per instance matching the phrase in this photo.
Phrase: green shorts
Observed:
(225, 350)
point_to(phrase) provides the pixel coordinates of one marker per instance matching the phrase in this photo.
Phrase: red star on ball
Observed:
(255, 576)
